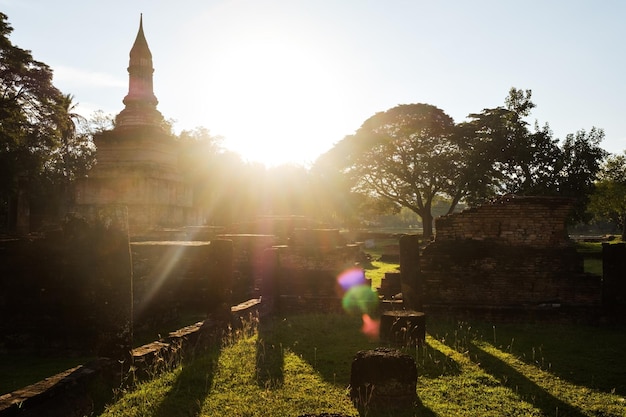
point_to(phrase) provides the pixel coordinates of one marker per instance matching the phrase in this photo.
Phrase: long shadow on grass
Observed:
(525, 388)
(581, 354)
(432, 363)
(192, 385)
(269, 356)
(329, 343)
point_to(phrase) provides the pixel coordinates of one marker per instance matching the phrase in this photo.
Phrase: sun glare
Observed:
(273, 91)
(270, 96)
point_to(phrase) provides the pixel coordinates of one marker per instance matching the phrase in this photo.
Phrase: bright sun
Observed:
(273, 92)
(272, 98)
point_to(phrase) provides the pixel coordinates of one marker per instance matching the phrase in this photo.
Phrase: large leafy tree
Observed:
(335, 201)
(39, 144)
(226, 189)
(406, 155)
(504, 156)
(414, 155)
(580, 165)
(28, 102)
(70, 159)
(608, 201)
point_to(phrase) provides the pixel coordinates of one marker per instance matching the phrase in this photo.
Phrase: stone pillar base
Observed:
(383, 379)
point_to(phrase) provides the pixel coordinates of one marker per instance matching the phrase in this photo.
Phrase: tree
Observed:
(406, 155)
(502, 154)
(608, 200)
(225, 188)
(98, 122)
(413, 154)
(199, 162)
(28, 129)
(580, 165)
(72, 158)
(43, 147)
(335, 200)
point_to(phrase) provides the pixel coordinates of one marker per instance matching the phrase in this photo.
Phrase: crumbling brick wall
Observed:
(308, 269)
(512, 252)
(515, 221)
(176, 277)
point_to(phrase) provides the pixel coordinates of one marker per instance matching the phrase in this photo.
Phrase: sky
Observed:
(282, 81)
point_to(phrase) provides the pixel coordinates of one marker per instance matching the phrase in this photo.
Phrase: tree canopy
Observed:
(406, 155)
(39, 143)
(608, 200)
(503, 155)
(414, 155)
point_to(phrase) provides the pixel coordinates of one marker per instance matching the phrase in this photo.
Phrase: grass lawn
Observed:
(20, 370)
(301, 365)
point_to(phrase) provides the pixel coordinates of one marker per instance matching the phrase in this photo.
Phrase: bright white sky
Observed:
(284, 80)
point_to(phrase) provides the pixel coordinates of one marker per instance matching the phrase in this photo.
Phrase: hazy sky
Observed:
(284, 80)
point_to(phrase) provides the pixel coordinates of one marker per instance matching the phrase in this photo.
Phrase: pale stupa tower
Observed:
(138, 160)
(140, 101)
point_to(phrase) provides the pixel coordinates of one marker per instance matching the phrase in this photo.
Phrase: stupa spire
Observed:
(140, 101)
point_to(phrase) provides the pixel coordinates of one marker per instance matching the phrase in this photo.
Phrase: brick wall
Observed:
(310, 273)
(511, 220)
(512, 252)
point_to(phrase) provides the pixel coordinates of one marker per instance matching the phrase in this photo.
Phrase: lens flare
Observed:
(371, 327)
(351, 278)
(359, 300)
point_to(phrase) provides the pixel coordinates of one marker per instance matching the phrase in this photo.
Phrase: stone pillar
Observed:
(391, 285)
(111, 276)
(269, 280)
(405, 327)
(383, 379)
(613, 273)
(221, 276)
(410, 272)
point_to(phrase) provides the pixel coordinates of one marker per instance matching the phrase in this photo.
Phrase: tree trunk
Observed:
(427, 224)
(455, 201)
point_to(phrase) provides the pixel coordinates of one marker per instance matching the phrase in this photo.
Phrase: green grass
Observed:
(592, 253)
(585, 357)
(20, 370)
(301, 364)
(376, 271)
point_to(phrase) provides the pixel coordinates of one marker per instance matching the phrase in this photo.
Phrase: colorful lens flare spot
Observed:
(360, 299)
(351, 278)
(371, 327)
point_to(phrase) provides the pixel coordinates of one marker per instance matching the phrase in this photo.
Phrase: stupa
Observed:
(138, 160)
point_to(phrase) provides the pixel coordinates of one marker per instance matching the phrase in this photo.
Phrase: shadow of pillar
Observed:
(525, 388)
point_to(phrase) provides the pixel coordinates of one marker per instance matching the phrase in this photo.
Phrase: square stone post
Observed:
(614, 273)
(410, 272)
(111, 279)
(221, 279)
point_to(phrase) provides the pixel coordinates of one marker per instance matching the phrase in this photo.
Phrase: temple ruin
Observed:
(138, 160)
(512, 252)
